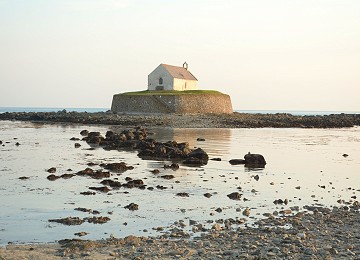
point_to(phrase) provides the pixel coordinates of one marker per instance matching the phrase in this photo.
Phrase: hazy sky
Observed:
(267, 54)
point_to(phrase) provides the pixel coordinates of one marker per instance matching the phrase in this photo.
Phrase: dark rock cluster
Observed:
(137, 139)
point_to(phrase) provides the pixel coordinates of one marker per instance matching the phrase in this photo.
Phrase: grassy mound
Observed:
(170, 92)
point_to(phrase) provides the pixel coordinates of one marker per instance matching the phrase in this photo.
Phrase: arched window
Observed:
(160, 81)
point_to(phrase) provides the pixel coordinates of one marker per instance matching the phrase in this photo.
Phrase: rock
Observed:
(234, 196)
(51, 170)
(216, 159)
(111, 183)
(192, 222)
(81, 234)
(117, 167)
(237, 161)
(70, 221)
(200, 139)
(345, 155)
(77, 145)
(87, 171)
(301, 235)
(207, 195)
(97, 220)
(199, 154)
(87, 193)
(67, 175)
(132, 240)
(278, 201)
(182, 194)
(134, 183)
(254, 160)
(286, 211)
(102, 189)
(175, 232)
(217, 227)
(52, 177)
(132, 206)
(219, 210)
(192, 161)
(155, 171)
(167, 177)
(256, 177)
(246, 212)
(94, 174)
(23, 178)
(83, 210)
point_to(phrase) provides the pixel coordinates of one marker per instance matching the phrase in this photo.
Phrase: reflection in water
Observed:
(217, 141)
(295, 171)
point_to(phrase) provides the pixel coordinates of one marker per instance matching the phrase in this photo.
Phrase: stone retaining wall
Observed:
(180, 104)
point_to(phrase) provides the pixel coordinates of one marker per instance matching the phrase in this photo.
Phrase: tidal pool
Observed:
(305, 166)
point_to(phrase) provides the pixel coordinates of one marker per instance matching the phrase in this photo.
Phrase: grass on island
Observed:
(169, 92)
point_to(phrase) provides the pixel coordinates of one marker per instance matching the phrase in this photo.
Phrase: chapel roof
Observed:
(179, 72)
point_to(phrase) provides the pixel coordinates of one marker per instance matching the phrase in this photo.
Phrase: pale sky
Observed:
(266, 54)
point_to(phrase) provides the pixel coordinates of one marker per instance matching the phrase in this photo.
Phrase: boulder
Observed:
(132, 206)
(234, 196)
(199, 154)
(84, 132)
(237, 161)
(254, 160)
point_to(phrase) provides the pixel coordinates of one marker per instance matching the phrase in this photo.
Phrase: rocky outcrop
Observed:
(204, 103)
(234, 120)
(137, 139)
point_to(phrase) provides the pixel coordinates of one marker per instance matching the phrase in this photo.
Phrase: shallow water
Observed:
(308, 158)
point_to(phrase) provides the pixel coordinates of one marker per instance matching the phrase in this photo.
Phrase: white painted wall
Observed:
(182, 84)
(169, 83)
(160, 72)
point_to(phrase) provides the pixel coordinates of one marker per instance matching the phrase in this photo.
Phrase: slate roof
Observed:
(179, 72)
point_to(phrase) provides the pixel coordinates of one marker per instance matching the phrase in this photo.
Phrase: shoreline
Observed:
(235, 120)
(318, 233)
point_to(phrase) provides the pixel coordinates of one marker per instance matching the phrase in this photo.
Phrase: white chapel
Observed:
(169, 77)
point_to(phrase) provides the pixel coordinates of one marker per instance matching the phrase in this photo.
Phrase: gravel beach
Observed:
(292, 233)
(318, 233)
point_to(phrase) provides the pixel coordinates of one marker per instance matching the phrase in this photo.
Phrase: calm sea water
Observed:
(305, 166)
(47, 109)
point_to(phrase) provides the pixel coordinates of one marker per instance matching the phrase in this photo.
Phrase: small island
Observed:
(172, 89)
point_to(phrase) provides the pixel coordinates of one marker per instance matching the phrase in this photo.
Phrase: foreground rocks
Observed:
(320, 233)
(235, 120)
